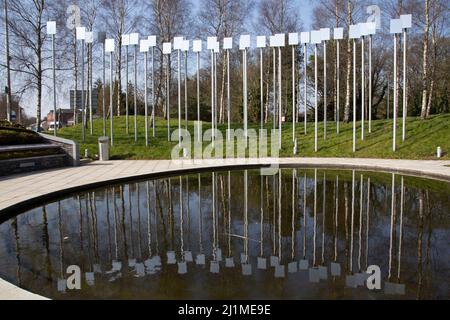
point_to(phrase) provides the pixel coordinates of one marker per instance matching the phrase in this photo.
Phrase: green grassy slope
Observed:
(423, 139)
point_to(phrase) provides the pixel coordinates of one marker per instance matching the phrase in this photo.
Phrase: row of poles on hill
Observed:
(361, 31)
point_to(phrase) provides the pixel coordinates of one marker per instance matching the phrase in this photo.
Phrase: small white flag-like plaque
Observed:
(51, 27)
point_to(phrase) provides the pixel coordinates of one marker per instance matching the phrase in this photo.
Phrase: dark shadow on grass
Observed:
(125, 156)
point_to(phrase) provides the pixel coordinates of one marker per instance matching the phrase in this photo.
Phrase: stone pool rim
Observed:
(17, 202)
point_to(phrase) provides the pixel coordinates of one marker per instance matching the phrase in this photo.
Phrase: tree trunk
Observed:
(423, 114)
(349, 66)
(433, 70)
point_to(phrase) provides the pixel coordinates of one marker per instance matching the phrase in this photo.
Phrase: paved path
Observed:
(26, 187)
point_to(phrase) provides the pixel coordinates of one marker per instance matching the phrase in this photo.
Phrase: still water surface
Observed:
(301, 234)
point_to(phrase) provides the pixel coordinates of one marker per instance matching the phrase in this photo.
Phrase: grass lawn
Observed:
(423, 137)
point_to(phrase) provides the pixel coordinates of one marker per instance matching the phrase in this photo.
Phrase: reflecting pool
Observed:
(298, 234)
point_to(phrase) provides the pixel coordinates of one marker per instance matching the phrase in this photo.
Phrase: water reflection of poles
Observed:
(182, 266)
(214, 264)
(393, 213)
(262, 263)
(61, 281)
(335, 266)
(200, 256)
(246, 266)
(15, 226)
(368, 222)
(292, 267)
(279, 268)
(304, 262)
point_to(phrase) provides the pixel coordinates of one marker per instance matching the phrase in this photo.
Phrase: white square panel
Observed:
(227, 43)
(326, 34)
(272, 41)
(51, 27)
(316, 37)
(354, 32)
(305, 37)
(144, 45)
(126, 40)
(261, 41)
(134, 39)
(363, 29)
(211, 43)
(197, 45)
(244, 42)
(186, 45)
(81, 33)
(280, 39)
(371, 27)
(152, 41)
(406, 21)
(395, 26)
(109, 45)
(178, 43)
(293, 39)
(338, 33)
(89, 37)
(167, 48)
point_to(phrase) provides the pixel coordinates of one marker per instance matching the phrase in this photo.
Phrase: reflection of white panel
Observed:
(211, 43)
(152, 41)
(134, 39)
(316, 37)
(305, 37)
(51, 27)
(81, 33)
(144, 45)
(354, 32)
(197, 46)
(326, 34)
(227, 43)
(244, 42)
(89, 37)
(126, 40)
(406, 21)
(293, 39)
(178, 43)
(186, 45)
(261, 41)
(396, 26)
(167, 48)
(109, 45)
(338, 33)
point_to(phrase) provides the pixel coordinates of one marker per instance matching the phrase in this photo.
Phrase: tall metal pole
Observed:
(228, 95)
(305, 66)
(275, 105)
(215, 90)
(145, 96)
(280, 93)
(135, 95)
(316, 101)
(363, 85)
(83, 107)
(338, 85)
(54, 84)
(294, 113)
(198, 96)
(179, 94)
(405, 86)
(168, 96)
(185, 89)
(104, 89)
(370, 83)
(354, 95)
(153, 92)
(8, 66)
(394, 136)
(244, 53)
(111, 89)
(91, 120)
(261, 85)
(212, 96)
(325, 90)
(127, 112)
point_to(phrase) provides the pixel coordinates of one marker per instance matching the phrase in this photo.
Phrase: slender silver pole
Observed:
(54, 85)
(228, 95)
(325, 90)
(135, 96)
(215, 90)
(83, 120)
(280, 93)
(153, 92)
(127, 112)
(316, 101)
(146, 96)
(185, 90)
(261, 85)
(394, 136)
(370, 82)
(338, 85)
(405, 87)
(168, 97)
(305, 66)
(104, 90)
(212, 96)
(294, 114)
(275, 105)
(111, 89)
(179, 94)
(363, 85)
(198, 95)
(91, 122)
(245, 96)
(354, 95)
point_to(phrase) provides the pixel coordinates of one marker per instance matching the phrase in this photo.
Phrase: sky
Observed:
(29, 102)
